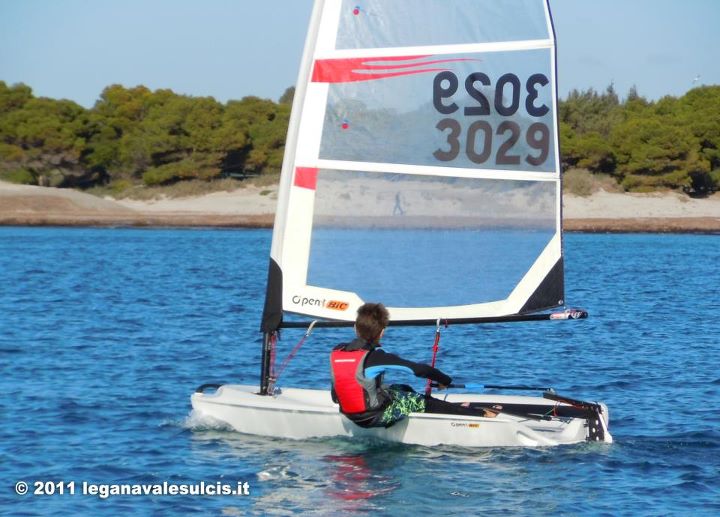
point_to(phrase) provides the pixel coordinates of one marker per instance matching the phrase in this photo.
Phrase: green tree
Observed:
(654, 152)
(42, 139)
(590, 112)
(13, 97)
(112, 122)
(595, 153)
(699, 110)
(267, 124)
(288, 96)
(178, 138)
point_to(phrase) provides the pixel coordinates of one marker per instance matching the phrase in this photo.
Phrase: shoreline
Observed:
(697, 225)
(252, 207)
(639, 225)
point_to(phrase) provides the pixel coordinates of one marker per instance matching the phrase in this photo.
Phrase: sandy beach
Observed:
(254, 207)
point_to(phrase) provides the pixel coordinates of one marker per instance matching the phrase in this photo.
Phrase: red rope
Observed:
(290, 356)
(293, 352)
(436, 347)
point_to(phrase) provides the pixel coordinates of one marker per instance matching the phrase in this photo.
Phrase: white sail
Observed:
(422, 163)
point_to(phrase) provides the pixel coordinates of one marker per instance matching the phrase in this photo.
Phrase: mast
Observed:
(265, 363)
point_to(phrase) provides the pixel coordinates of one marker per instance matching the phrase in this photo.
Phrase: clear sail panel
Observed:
(382, 23)
(490, 110)
(423, 241)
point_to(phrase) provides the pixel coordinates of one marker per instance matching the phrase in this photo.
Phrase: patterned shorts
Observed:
(404, 402)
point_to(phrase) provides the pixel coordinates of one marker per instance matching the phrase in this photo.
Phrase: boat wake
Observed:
(197, 421)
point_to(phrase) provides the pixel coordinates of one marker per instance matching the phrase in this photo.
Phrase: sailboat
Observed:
(422, 170)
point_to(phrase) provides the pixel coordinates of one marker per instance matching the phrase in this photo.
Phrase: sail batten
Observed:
(428, 170)
(437, 50)
(422, 163)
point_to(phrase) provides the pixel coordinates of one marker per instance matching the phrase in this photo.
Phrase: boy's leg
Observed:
(433, 405)
(403, 403)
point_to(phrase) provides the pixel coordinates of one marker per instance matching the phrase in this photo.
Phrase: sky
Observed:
(229, 49)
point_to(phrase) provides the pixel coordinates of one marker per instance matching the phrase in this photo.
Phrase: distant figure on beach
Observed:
(398, 209)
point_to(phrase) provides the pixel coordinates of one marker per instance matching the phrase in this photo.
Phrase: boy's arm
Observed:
(379, 361)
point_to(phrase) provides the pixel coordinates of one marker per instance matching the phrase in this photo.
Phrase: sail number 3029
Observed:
(478, 137)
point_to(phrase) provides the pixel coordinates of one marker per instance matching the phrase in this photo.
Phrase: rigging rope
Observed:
(275, 376)
(436, 347)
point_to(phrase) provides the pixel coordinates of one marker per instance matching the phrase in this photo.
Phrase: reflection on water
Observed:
(353, 481)
(286, 475)
(341, 475)
(361, 475)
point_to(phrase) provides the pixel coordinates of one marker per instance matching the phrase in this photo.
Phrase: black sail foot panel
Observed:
(550, 293)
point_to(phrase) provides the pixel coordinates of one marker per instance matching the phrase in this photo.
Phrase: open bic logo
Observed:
(336, 305)
(320, 302)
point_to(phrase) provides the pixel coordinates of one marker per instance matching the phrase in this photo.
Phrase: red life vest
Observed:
(347, 373)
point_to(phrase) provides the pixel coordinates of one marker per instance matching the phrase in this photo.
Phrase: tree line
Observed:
(673, 143)
(134, 135)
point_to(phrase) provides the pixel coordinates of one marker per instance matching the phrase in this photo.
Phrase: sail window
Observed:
(416, 241)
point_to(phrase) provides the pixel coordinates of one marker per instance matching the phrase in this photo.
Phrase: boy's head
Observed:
(372, 318)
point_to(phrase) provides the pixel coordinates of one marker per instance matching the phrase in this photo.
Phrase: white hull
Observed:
(302, 414)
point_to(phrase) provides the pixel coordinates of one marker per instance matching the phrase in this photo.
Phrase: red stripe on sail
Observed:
(306, 177)
(369, 68)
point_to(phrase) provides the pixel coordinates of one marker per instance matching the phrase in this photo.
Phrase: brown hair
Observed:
(372, 318)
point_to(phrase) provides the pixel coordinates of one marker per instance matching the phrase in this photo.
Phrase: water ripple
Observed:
(106, 333)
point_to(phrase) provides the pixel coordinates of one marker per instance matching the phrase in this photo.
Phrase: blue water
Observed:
(104, 334)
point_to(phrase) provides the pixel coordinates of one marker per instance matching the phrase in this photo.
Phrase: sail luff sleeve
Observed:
(273, 310)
